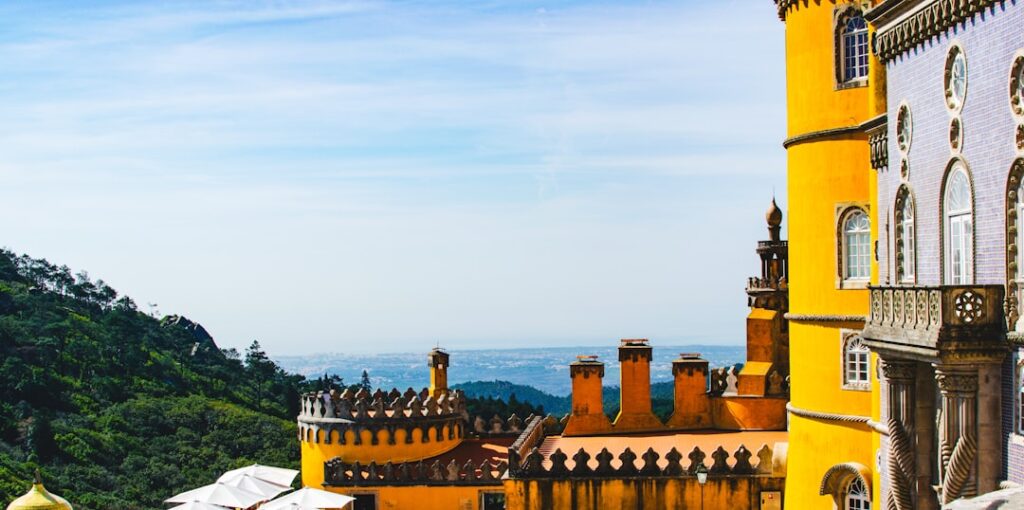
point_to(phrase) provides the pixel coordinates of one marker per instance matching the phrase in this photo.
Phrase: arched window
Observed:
(959, 227)
(856, 358)
(1019, 275)
(856, 497)
(853, 47)
(856, 246)
(906, 240)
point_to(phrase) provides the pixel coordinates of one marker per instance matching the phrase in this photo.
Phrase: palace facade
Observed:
(906, 125)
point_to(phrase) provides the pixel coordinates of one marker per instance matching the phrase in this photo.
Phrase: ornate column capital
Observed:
(962, 380)
(899, 371)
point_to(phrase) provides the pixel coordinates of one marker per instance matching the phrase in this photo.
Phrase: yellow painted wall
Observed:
(823, 175)
(314, 454)
(423, 497)
(737, 493)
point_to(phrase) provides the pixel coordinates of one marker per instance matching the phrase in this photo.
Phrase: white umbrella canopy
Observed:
(280, 476)
(308, 498)
(219, 494)
(267, 489)
(198, 505)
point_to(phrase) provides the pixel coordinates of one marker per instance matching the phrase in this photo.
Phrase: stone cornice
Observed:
(903, 24)
(783, 6)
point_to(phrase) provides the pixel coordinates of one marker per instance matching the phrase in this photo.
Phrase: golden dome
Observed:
(774, 215)
(38, 498)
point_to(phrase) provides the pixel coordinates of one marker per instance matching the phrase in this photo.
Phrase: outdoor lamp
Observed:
(702, 474)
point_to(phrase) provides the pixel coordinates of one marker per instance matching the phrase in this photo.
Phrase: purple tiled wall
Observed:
(989, 41)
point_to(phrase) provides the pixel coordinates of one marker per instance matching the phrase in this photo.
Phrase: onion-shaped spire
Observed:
(38, 498)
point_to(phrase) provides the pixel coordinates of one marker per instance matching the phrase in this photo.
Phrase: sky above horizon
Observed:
(359, 176)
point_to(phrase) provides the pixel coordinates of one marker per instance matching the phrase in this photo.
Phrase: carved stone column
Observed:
(899, 376)
(957, 431)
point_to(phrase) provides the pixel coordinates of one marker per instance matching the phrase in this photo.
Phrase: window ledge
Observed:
(1017, 439)
(852, 84)
(857, 386)
(850, 284)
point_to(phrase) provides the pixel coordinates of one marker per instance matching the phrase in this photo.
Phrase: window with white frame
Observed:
(1020, 396)
(856, 246)
(856, 358)
(856, 497)
(959, 226)
(909, 261)
(854, 39)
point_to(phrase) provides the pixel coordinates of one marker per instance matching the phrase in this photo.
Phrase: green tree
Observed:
(259, 369)
(365, 383)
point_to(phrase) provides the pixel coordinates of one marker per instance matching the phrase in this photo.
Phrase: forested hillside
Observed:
(119, 409)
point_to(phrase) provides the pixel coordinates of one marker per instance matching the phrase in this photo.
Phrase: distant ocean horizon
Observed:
(544, 368)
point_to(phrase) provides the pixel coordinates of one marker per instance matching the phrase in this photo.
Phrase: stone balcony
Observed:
(929, 321)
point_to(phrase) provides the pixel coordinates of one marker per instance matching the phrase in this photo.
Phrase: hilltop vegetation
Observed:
(117, 409)
(120, 410)
(661, 397)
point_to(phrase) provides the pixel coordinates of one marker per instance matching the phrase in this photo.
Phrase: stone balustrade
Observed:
(648, 465)
(926, 316)
(341, 474)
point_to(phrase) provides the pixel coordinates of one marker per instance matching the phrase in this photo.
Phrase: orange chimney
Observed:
(692, 407)
(437, 360)
(635, 387)
(587, 415)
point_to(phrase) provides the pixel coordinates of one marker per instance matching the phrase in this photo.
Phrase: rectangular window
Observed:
(492, 501)
(364, 502)
(960, 249)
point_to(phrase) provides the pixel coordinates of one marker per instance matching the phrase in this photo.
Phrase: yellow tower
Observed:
(833, 226)
(437, 360)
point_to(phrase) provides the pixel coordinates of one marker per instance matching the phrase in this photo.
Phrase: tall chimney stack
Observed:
(692, 407)
(587, 415)
(635, 389)
(437, 360)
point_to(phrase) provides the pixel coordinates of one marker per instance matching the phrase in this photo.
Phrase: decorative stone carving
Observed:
(920, 26)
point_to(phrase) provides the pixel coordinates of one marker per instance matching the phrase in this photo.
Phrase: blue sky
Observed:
(370, 175)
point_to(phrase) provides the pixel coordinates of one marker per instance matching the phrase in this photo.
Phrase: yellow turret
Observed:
(830, 73)
(38, 498)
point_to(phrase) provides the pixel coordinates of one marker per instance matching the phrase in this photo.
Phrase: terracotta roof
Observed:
(707, 440)
(494, 449)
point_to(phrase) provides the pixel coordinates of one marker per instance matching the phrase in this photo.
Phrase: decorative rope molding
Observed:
(809, 317)
(897, 34)
(824, 134)
(881, 428)
(816, 415)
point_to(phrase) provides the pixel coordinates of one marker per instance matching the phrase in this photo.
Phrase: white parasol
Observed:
(308, 499)
(219, 494)
(251, 484)
(198, 505)
(280, 476)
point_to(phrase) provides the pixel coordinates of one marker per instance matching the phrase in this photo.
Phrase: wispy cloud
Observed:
(308, 127)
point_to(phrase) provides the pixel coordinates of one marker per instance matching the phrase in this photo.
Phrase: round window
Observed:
(904, 128)
(956, 78)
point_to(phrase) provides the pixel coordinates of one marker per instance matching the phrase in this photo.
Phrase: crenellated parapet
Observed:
(649, 464)
(338, 473)
(340, 417)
